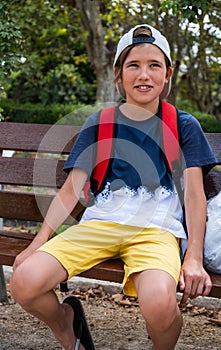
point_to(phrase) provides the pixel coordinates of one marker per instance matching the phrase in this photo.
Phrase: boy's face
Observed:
(144, 74)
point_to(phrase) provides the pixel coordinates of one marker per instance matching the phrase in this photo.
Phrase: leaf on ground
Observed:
(216, 321)
(117, 297)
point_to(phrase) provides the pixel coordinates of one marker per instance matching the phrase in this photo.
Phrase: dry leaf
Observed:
(125, 302)
(216, 321)
(117, 297)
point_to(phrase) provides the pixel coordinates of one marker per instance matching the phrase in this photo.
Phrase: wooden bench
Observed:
(30, 178)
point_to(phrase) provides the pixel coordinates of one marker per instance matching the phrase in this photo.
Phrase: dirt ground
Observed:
(115, 323)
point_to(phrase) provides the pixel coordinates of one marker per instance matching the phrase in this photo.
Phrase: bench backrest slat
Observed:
(23, 206)
(29, 206)
(215, 142)
(30, 171)
(37, 137)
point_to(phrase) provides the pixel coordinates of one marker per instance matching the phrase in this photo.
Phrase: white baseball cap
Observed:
(157, 39)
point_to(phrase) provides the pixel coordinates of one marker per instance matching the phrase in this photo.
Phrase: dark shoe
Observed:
(80, 325)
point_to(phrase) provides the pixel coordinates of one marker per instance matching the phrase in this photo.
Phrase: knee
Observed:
(160, 311)
(22, 286)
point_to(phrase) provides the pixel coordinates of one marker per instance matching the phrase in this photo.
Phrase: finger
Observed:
(184, 298)
(207, 286)
(197, 289)
(181, 281)
(187, 291)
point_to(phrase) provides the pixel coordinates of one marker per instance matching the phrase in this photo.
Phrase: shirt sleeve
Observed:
(195, 149)
(83, 152)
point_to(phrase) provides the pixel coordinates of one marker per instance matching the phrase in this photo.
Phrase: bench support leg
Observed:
(3, 291)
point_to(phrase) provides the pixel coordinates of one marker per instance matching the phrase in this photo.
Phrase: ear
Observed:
(116, 72)
(169, 73)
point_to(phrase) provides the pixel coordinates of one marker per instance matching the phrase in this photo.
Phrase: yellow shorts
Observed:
(82, 246)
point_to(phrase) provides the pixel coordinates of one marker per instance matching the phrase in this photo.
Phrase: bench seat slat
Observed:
(110, 270)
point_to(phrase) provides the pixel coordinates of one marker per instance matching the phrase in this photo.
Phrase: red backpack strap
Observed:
(104, 151)
(170, 130)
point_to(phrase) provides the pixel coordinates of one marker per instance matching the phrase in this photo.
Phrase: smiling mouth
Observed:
(143, 87)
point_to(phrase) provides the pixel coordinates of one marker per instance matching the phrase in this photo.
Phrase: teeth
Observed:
(143, 87)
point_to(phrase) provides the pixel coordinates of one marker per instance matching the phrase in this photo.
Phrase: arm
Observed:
(194, 280)
(60, 208)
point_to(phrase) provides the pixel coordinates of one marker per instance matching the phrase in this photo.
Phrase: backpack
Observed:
(212, 248)
(105, 137)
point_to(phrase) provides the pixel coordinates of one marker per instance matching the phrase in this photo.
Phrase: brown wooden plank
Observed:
(23, 206)
(28, 137)
(212, 183)
(12, 244)
(17, 234)
(110, 270)
(30, 207)
(29, 172)
(215, 142)
(42, 137)
(216, 282)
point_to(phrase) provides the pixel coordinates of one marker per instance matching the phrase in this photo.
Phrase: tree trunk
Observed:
(100, 56)
(19, 88)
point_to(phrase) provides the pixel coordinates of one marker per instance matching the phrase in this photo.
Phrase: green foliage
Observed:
(67, 114)
(1, 115)
(11, 40)
(62, 84)
(208, 122)
(58, 68)
(61, 229)
(39, 113)
(187, 9)
(51, 40)
(37, 228)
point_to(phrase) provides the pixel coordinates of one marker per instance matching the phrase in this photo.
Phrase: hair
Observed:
(142, 31)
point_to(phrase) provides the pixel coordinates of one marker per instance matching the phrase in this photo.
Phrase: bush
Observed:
(32, 113)
(208, 122)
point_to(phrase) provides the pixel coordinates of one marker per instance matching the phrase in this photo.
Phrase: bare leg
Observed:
(32, 286)
(157, 299)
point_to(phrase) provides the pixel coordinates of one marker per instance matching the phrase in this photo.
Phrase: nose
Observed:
(144, 73)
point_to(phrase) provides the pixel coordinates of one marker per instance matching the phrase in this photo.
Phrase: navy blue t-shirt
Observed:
(138, 157)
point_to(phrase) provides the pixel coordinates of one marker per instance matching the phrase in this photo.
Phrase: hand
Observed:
(26, 253)
(194, 280)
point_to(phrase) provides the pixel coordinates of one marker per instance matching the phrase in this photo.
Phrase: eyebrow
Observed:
(150, 60)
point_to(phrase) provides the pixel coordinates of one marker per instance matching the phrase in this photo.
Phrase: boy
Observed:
(136, 215)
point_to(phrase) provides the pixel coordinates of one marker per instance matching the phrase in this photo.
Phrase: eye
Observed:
(132, 64)
(155, 65)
